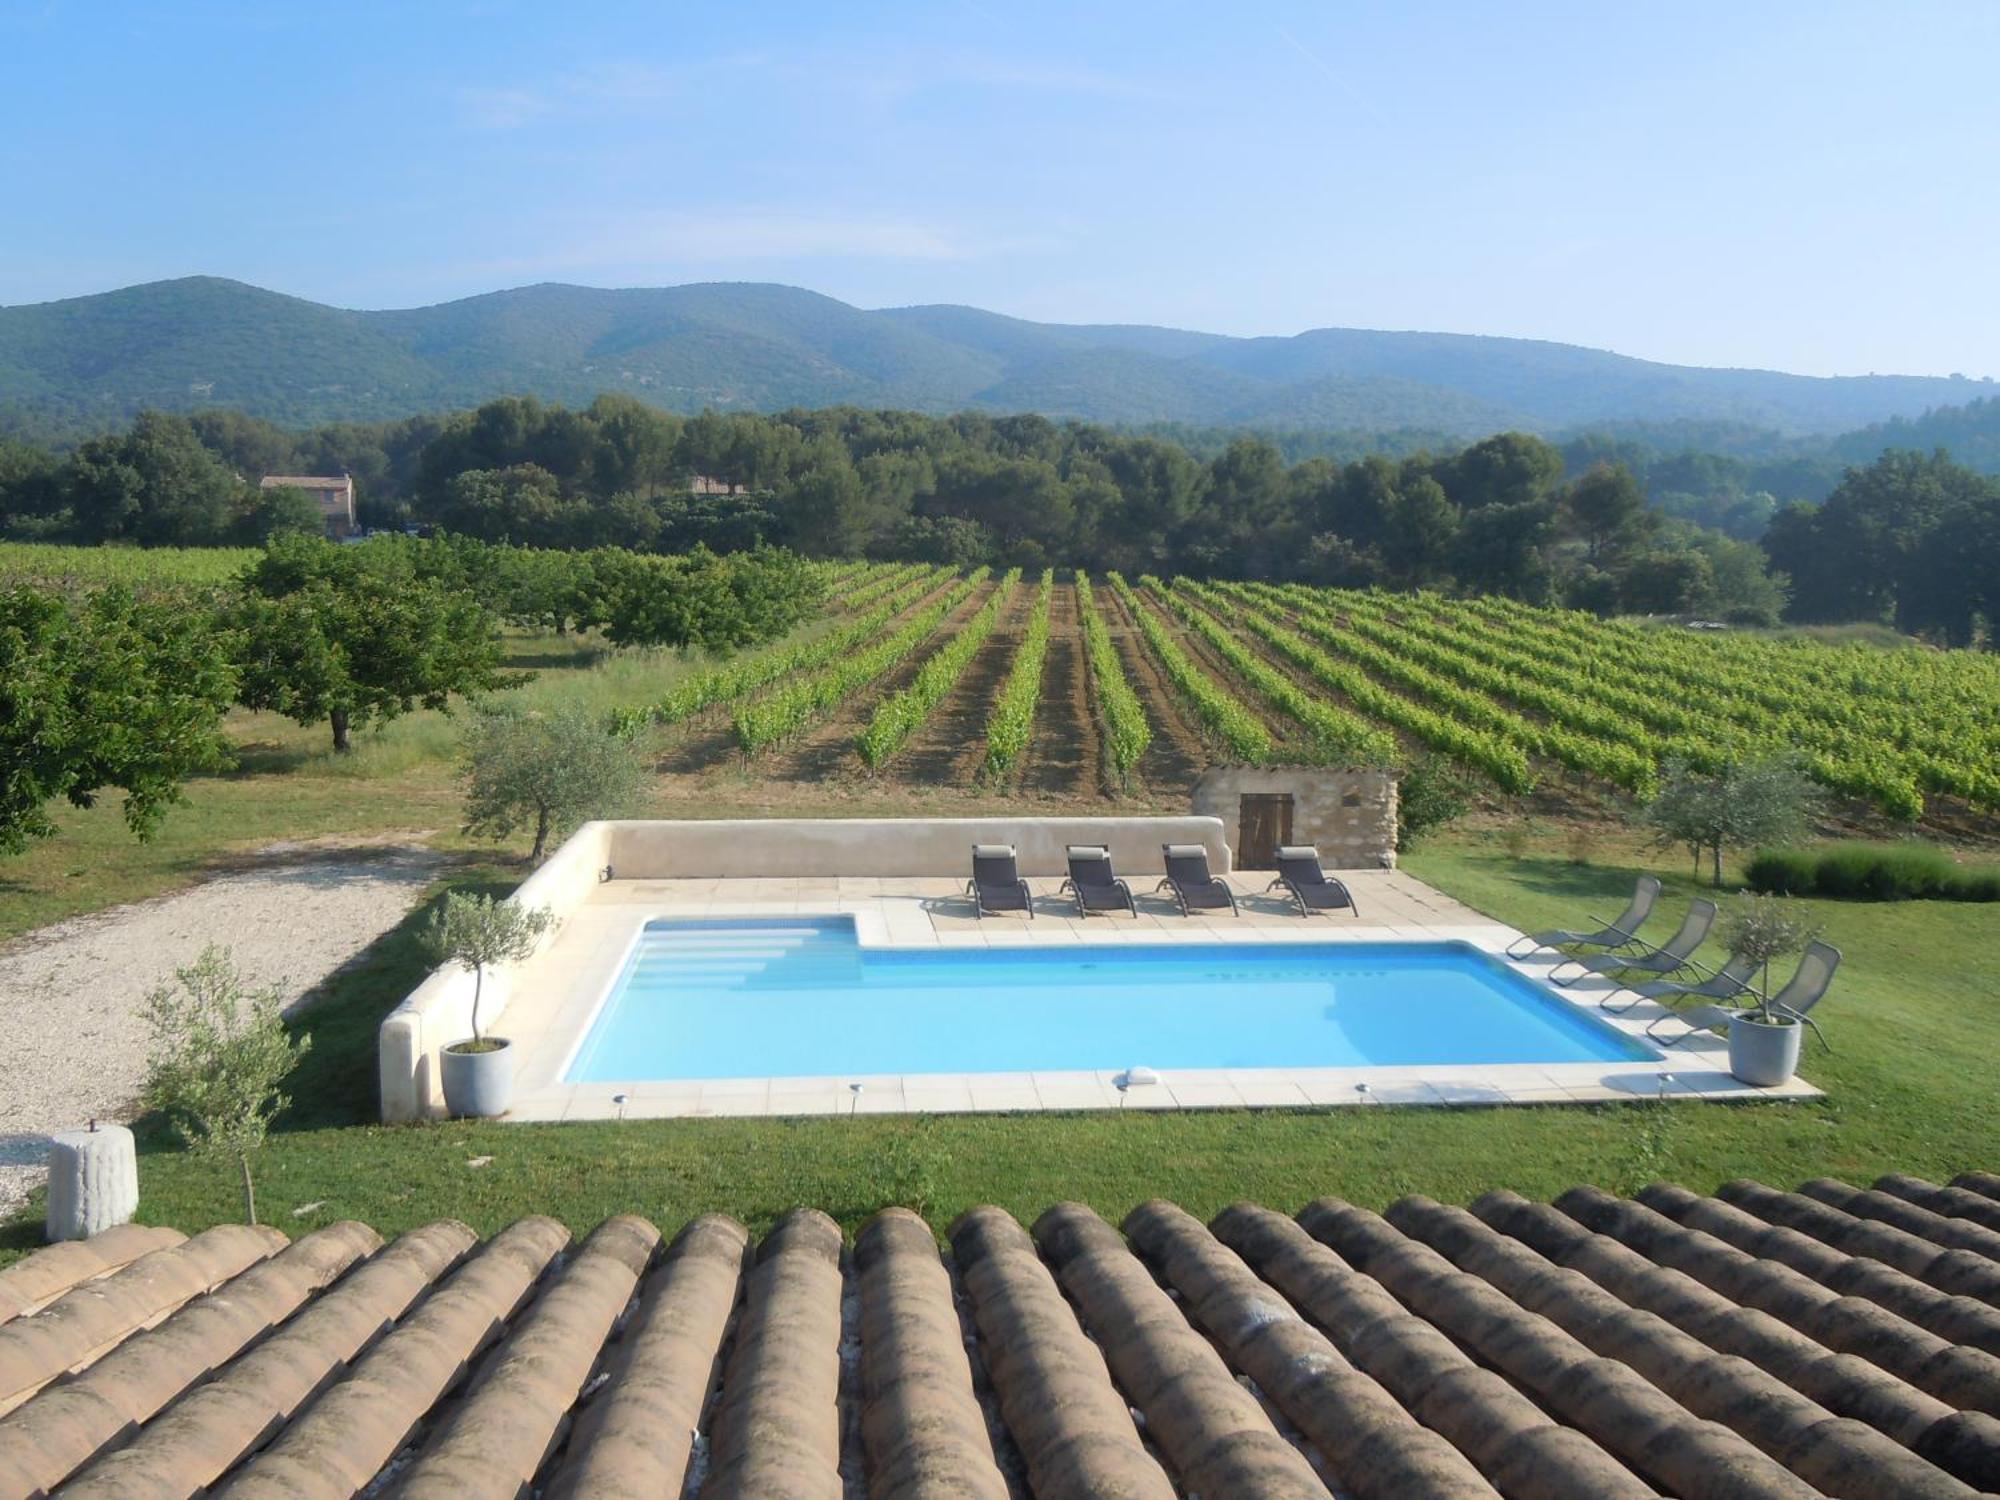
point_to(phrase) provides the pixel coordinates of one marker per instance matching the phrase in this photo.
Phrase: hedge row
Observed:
(1873, 872)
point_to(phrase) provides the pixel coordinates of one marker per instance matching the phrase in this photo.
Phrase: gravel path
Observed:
(72, 1042)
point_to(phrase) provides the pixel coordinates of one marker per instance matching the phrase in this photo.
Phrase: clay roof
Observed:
(1833, 1341)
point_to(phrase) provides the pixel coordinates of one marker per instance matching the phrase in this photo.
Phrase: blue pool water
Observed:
(801, 998)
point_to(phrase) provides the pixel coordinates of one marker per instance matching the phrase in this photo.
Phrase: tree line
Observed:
(1500, 515)
(1512, 514)
(1913, 539)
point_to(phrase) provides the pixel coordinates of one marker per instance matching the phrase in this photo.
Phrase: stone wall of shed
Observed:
(1350, 816)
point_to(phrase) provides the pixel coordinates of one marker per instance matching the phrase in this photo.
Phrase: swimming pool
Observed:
(801, 997)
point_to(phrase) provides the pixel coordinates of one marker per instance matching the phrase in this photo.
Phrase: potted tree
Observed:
(1764, 1043)
(475, 931)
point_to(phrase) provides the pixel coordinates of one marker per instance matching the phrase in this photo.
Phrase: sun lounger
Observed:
(1807, 988)
(1189, 878)
(1093, 884)
(1621, 933)
(1727, 983)
(996, 883)
(1670, 958)
(1731, 980)
(1310, 886)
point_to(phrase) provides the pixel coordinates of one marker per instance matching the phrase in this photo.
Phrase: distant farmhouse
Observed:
(703, 484)
(334, 496)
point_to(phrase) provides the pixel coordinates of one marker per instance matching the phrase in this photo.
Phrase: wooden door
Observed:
(1264, 822)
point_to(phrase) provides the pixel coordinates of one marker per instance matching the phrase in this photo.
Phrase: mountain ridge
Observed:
(203, 341)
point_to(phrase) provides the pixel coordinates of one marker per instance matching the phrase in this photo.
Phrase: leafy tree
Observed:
(1418, 531)
(548, 771)
(950, 540)
(1739, 807)
(325, 638)
(275, 512)
(1667, 583)
(827, 507)
(702, 599)
(1510, 468)
(154, 484)
(30, 495)
(1498, 549)
(477, 932)
(1607, 509)
(634, 448)
(1742, 590)
(1866, 554)
(104, 690)
(520, 503)
(220, 1053)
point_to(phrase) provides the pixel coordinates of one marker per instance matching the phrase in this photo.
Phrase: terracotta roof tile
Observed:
(1835, 1341)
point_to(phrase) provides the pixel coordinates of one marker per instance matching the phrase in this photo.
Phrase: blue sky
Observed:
(1805, 186)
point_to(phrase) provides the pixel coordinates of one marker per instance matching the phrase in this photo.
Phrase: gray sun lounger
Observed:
(1093, 884)
(1193, 885)
(1622, 933)
(996, 883)
(1731, 980)
(1807, 988)
(1311, 887)
(1665, 961)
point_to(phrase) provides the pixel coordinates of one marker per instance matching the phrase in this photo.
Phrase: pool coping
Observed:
(548, 1022)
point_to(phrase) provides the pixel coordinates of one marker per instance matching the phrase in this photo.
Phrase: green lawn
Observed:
(1914, 1016)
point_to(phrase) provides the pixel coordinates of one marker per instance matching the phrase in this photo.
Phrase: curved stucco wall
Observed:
(439, 1011)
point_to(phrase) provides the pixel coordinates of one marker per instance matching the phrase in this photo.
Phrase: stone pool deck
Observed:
(559, 991)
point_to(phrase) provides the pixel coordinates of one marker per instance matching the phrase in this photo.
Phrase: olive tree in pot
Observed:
(476, 931)
(1763, 1042)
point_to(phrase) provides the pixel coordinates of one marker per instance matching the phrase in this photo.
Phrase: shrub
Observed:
(1905, 871)
(219, 1053)
(1783, 872)
(1434, 791)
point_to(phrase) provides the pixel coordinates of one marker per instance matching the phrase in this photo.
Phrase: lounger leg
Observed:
(1652, 1030)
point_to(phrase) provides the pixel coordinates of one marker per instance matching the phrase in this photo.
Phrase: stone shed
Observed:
(1349, 815)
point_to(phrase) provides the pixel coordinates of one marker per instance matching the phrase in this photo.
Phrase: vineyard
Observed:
(1159, 678)
(1068, 687)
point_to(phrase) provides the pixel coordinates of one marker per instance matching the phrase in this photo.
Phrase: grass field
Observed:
(1910, 1087)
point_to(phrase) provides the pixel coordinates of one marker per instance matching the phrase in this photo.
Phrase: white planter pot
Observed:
(1762, 1053)
(477, 1085)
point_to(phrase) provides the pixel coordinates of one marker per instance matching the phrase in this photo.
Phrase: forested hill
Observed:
(87, 363)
